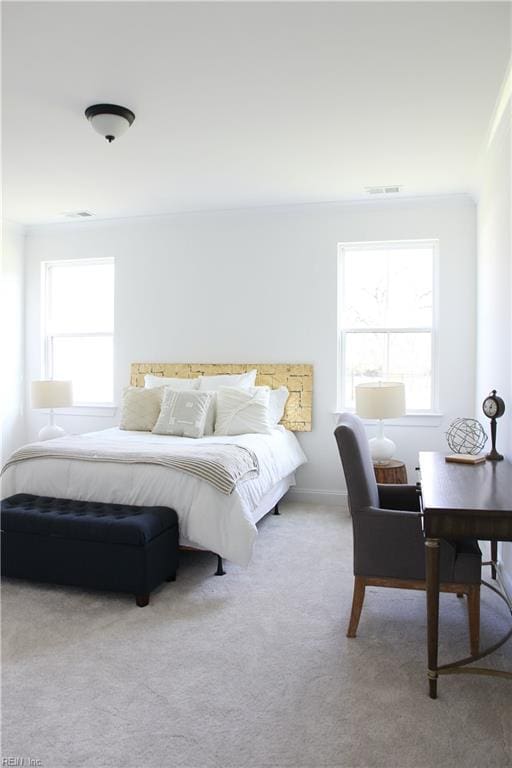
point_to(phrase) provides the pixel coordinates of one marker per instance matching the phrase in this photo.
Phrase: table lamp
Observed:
(380, 400)
(51, 394)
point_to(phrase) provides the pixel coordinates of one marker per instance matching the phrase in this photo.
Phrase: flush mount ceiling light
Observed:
(109, 120)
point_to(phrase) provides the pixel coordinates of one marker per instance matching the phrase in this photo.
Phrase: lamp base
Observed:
(382, 449)
(50, 431)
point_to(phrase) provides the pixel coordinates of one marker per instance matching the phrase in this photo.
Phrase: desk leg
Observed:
(494, 558)
(432, 574)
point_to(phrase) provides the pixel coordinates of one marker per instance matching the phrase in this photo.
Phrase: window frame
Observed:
(47, 337)
(343, 248)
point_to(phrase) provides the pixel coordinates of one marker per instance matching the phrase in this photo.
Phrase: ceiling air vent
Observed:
(77, 214)
(386, 190)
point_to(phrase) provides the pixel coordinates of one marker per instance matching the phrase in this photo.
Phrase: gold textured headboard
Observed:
(297, 378)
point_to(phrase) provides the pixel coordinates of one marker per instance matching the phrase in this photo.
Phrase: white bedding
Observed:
(207, 518)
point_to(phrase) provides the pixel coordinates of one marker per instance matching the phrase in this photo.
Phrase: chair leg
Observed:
(474, 618)
(357, 605)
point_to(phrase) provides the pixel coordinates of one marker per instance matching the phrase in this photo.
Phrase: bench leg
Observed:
(142, 600)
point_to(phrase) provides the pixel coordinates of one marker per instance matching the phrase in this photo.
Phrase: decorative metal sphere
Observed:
(466, 436)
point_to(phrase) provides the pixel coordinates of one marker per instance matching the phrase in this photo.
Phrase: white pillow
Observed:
(277, 403)
(214, 383)
(183, 413)
(151, 382)
(140, 408)
(240, 411)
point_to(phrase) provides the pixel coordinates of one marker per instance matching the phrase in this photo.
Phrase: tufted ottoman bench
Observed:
(89, 544)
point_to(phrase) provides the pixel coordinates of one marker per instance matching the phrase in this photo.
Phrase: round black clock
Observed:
(493, 407)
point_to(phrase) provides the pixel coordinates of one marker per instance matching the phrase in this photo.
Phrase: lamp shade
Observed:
(51, 394)
(380, 400)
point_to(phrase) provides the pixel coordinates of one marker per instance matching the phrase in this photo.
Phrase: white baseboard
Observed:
(318, 496)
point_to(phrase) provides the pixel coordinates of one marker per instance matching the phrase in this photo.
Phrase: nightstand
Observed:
(393, 471)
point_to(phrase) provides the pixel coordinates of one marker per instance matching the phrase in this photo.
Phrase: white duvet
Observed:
(207, 518)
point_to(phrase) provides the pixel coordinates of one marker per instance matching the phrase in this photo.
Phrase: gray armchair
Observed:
(389, 546)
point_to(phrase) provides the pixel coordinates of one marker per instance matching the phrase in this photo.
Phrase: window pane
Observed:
(410, 361)
(387, 288)
(80, 297)
(87, 361)
(365, 360)
(390, 357)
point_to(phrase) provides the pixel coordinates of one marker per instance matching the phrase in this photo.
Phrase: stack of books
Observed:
(465, 458)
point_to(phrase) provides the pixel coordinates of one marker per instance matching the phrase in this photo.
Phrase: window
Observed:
(386, 318)
(78, 323)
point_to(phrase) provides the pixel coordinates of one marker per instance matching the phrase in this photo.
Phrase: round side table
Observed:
(393, 471)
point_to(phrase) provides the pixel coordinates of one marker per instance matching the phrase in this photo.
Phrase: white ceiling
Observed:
(244, 104)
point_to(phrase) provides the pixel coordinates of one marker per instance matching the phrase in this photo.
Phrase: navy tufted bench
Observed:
(89, 544)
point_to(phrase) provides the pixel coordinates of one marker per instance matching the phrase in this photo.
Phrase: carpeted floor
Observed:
(249, 670)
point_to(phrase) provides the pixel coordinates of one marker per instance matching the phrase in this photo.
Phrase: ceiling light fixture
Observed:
(109, 120)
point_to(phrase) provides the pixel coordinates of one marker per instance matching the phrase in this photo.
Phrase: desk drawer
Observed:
(484, 526)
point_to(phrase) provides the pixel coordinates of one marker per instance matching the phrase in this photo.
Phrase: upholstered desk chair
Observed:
(389, 546)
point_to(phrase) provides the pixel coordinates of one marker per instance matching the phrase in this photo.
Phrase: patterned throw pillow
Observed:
(241, 411)
(209, 425)
(140, 408)
(183, 413)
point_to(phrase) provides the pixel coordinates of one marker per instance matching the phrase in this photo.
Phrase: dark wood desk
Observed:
(460, 500)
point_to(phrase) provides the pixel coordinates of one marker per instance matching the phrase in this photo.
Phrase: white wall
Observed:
(12, 325)
(494, 327)
(260, 285)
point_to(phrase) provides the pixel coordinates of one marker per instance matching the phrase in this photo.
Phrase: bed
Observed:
(221, 522)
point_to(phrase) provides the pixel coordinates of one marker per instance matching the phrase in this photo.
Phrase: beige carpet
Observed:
(249, 670)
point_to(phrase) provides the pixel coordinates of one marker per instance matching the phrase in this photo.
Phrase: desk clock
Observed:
(493, 407)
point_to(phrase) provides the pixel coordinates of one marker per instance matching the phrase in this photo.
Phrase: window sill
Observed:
(107, 411)
(430, 419)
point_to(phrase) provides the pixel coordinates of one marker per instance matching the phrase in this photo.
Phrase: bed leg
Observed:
(276, 509)
(142, 600)
(220, 570)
